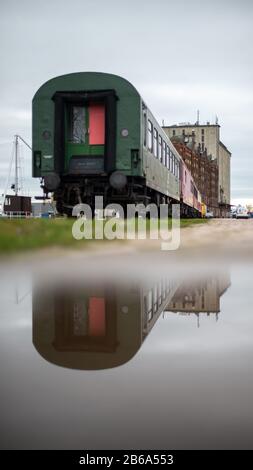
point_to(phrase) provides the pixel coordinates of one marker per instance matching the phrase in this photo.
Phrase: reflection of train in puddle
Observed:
(98, 327)
(91, 327)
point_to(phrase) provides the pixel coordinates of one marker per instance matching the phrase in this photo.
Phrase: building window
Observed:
(183, 132)
(174, 132)
(155, 143)
(202, 131)
(203, 146)
(202, 138)
(150, 136)
(160, 148)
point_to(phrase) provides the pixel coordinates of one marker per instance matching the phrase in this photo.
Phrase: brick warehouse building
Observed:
(204, 170)
(205, 139)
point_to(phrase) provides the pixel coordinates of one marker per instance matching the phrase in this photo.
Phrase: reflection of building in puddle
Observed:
(97, 327)
(91, 327)
(200, 297)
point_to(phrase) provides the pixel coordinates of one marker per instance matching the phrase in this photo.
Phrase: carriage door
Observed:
(85, 143)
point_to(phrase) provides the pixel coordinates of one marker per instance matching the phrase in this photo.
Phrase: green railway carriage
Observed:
(94, 135)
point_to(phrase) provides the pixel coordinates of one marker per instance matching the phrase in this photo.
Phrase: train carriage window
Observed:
(177, 168)
(164, 153)
(144, 129)
(160, 297)
(164, 289)
(155, 142)
(150, 136)
(173, 164)
(167, 157)
(150, 305)
(160, 148)
(77, 130)
(155, 298)
(171, 161)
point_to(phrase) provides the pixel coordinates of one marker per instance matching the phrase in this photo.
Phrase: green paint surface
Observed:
(128, 117)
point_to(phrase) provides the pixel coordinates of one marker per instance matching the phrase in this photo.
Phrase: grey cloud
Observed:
(181, 56)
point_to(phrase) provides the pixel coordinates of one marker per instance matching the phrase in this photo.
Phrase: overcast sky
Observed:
(181, 56)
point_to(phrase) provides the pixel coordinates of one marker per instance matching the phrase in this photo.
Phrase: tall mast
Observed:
(16, 189)
(16, 165)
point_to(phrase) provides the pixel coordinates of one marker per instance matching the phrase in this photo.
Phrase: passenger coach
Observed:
(93, 135)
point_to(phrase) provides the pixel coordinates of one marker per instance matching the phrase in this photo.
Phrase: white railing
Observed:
(17, 215)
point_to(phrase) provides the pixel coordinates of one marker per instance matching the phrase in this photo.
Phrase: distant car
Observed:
(209, 214)
(242, 213)
(47, 215)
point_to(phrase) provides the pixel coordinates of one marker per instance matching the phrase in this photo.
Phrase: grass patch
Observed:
(30, 234)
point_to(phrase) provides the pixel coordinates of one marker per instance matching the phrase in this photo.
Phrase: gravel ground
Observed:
(212, 242)
(219, 231)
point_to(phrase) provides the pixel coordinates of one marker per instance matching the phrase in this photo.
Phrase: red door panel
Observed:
(97, 325)
(96, 124)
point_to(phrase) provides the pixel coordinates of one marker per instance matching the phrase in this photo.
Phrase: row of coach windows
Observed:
(161, 150)
(155, 297)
